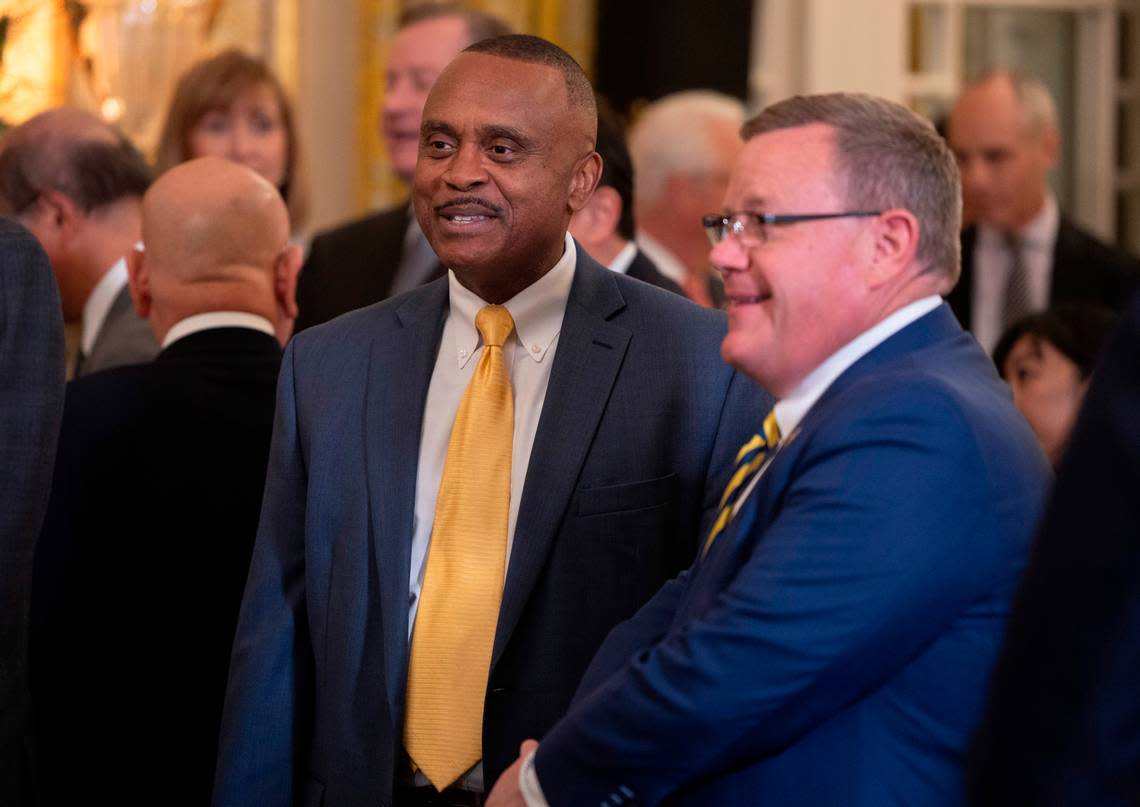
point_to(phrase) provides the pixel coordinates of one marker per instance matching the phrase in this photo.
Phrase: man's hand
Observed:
(506, 791)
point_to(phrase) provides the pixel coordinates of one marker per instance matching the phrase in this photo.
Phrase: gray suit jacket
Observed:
(638, 432)
(31, 404)
(124, 338)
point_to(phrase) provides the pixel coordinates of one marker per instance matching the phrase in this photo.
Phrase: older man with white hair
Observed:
(683, 147)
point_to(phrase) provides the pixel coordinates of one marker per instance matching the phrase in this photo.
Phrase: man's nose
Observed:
(400, 97)
(974, 173)
(729, 255)
(465, 169)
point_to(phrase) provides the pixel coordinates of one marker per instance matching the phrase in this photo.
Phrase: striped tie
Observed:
(748, 460)
(1017, 303)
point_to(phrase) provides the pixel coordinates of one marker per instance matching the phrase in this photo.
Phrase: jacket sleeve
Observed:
(269, 698)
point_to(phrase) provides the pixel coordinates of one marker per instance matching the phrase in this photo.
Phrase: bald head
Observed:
(217, 239)
(207, 218)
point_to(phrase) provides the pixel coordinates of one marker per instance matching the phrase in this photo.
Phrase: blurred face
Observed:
(419, 54)
(250, 131)
(503, 164)
(1004, 165)
(798, 296)
(1047, 389)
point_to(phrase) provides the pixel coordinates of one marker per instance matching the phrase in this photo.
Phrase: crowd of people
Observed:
(728, 459)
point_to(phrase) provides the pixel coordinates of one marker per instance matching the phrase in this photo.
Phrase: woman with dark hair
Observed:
(1048, 359)
(232, 106)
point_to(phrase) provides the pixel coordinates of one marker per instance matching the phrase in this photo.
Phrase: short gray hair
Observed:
(670, 136)
(886, 156)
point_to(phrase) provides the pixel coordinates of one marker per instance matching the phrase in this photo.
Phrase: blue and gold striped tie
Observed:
(748, 460)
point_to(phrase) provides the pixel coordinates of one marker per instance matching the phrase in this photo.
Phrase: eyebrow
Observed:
(494, 131)
(429, 126)
(488, 132)
(752, 202)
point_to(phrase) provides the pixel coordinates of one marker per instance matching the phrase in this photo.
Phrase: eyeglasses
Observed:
(752, 227)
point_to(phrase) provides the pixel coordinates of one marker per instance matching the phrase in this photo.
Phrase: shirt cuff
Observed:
(529, 787)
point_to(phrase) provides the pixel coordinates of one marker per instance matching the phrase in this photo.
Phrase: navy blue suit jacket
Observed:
(834, 644)
(638, 430)
(31, 403)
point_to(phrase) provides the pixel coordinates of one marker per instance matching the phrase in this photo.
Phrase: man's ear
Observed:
(54, 219)
(138, 280)
(285, 271)
(895, 235)
(585, 179)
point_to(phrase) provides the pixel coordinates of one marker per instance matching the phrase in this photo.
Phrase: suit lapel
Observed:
(936, 326)
(401, 361)
(590, 352)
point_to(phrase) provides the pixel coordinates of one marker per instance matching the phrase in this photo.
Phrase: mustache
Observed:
(463, 201)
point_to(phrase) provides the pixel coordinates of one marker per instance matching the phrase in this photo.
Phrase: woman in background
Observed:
(232, 106)
(1048, 359)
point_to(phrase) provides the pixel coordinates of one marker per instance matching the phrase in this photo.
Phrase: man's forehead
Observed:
(483, 80)
(429, 43)
(990, 110)
(782, 163)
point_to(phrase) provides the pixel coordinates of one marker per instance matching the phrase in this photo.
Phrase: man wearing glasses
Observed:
(832, 642)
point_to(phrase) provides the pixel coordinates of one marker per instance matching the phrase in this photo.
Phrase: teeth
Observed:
(467, 219)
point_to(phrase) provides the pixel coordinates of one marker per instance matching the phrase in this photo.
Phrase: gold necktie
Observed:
(463, 583)
(748, 460)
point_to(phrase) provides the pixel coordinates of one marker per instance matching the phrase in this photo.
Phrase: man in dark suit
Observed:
(76, 183)
(385, 253)
(1063, 722)
(832, 643)
(1021, 254)
(605, 227)
(31, 401)
(154, 506)
(621, 418)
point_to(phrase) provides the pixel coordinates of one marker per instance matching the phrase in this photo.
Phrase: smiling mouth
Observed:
(467, 211)
(465, 219)
(748, 299)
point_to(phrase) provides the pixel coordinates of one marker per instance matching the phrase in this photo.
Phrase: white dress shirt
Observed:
(623, 259)
(99, 303)
(537, 311)
(993, 261)
(667, 263)
(789, 410)
(217, 319)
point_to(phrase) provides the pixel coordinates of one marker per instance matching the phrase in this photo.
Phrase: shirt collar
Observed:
(792, 408)
(99, 303)
(1039, 233)
(217, 319)
(667, 263)
(623, 259)
(537, 310)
